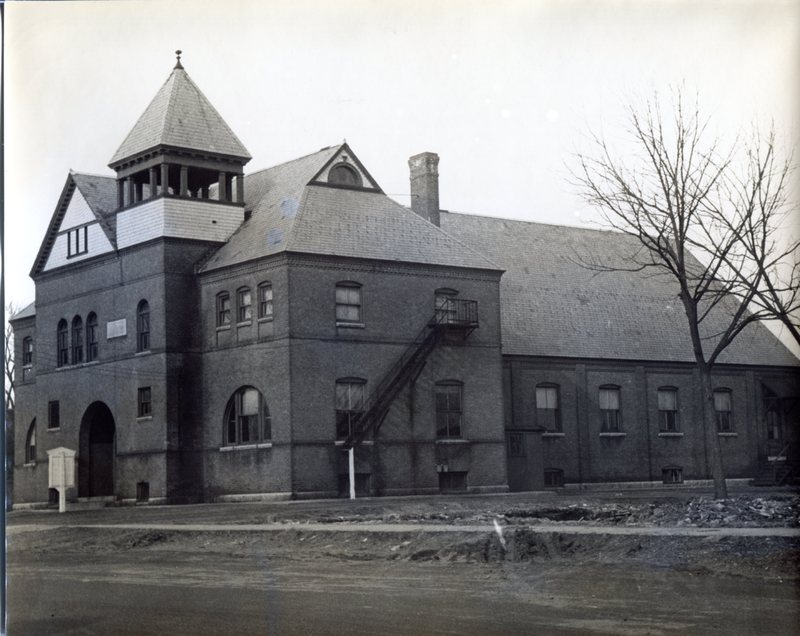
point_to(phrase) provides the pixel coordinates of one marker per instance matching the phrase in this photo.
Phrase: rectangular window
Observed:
(265, 301)
(350, 398)
(609, 410)
(27, 352)
(455, 481)
(672, 475)
(547, 411)
(145, 407)
(448, 410)
(722, 406)
(63, 344)
(223, 310)
(143, 491)
(553, 477)
(348, 303)
(77, 241)
(516, 445)
(53, 414)
(668, 410)
(244, 304)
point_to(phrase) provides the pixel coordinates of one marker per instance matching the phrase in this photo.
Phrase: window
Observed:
(30, 443)
(668, 410)
(91, 337)
(774, 423)
(62, 339)
(445, 310)
(348, 302)
(609, 409)
(244, 305)
(247, 419)
(223, 309)
(142, 491)
(27, 351)
(455, 481)
(144, 403)
(548, 414)
(448, 409)
(516, 445)
(343, 174)
(553, 477)
(77, 241)
(53, 414)
(143, 326)
(77, 340)
(350, 399)
(672, 475)
(265, 300)
(722, 405)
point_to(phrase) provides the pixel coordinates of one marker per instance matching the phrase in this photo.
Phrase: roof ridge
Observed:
(94, 174)
(544, 223)
(283, 163)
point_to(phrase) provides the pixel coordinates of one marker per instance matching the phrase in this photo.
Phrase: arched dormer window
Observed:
(91, 337)
(344, 174)
(348, 302)
(30, 444)
(62, 343)
(77, 340)
(143, 326)
(610, 414)
(448, 397)
(247, 418)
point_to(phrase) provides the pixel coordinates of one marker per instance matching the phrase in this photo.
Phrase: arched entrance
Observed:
(96, 456)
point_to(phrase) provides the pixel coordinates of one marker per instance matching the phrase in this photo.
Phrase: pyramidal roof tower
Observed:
(180, 160)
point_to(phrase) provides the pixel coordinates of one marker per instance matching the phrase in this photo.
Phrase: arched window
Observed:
(143, 326)
(62, 343)
(30, 443)
(91, 337)
(548, 413)
(350, 399)
(247, 418)
(610, 417)
(348, 302)
(223, 309)
(668, 409)
(77, 340)
(449, 408)
(27, 351)
(723, 407)
(265, 300)
(344, 174)
(244, 305)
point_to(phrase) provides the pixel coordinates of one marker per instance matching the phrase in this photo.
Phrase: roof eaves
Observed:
(55, 220)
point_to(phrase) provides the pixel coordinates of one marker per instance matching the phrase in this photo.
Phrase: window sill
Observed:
(223, 327)
(55, 429)
(366, 442)
(670, 434)
(29, 465)
(144, 418)
(242, 447)
(244, 323)
(728, 434)
(613, 434)
(452, 440)
(142, 353)
(266, 319)
(350, 325)
(553, 434)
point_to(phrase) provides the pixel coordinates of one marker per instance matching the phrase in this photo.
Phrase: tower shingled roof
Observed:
(180, 116)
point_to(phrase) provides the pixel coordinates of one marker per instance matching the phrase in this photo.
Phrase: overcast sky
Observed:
(503, 91)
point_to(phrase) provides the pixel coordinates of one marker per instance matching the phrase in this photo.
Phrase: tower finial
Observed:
(178, 55)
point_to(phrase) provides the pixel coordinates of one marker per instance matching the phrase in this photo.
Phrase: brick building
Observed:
(202, 334)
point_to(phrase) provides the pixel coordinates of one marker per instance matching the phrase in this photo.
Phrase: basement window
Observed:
(143, 491)
(455, 481)
(362, 485)
(553, 478)
(672, 475)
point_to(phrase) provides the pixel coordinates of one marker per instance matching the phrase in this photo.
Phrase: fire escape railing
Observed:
(454, 314)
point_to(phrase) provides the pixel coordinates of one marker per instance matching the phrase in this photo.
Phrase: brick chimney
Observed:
(424, 169)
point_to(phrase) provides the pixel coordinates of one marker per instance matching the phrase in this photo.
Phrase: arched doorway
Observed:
(96, 456)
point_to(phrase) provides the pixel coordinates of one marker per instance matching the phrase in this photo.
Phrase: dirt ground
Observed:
(68, 577)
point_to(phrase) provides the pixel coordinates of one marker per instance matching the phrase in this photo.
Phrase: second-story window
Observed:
(668, 410)
(62, 343)
(223, 309)
(610, 420)
(548, 414)
(348, 302)
(265, 300)
(77, 340)
(143, 326)
(91, 337)
(144, 405)
(27, 351)
(244, 305)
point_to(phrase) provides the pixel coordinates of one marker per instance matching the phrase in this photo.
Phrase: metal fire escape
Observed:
(453, 315)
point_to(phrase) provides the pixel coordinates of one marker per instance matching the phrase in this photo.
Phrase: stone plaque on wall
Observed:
(116, 328)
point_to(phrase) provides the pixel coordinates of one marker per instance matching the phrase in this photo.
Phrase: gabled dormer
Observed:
(180, 169)
(344, 170)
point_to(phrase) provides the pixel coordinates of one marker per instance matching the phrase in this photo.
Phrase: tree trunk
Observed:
(710, 431)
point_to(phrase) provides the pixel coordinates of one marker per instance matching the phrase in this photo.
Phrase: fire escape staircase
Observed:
(456, 316)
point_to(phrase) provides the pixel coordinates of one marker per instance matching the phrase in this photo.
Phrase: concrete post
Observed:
(131, 190)
(165, 179)
(229, 187)
(222, 193)
(153, 182)
(120, 193)
(138, 188)
(351, 469)
(239, 188)
(184, 181)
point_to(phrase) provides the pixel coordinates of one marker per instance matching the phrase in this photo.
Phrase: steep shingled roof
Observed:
(26, 312)
(289, 215)
(180, 115)
(554, 306)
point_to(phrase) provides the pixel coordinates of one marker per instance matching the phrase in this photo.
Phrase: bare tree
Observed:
(700, 219)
